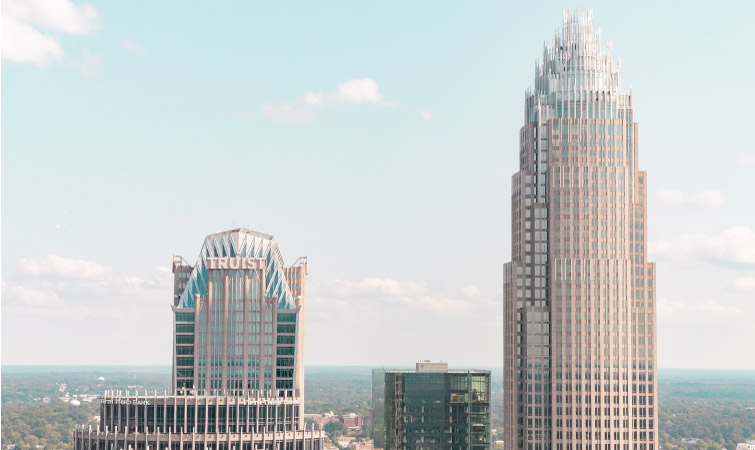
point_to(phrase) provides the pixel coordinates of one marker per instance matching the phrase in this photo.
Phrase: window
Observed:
(285, 328)
(285, 317)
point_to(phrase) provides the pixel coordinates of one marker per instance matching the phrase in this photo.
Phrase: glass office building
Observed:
(579, 307)
(238, 374)
(432, 409)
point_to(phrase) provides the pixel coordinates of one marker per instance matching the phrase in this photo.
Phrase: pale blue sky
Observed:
(154, 123)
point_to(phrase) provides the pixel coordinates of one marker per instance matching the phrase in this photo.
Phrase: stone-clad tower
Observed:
(579, 306)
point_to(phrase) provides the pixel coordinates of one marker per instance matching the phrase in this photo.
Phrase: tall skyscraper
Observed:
(431, 408)
(579, 309)
(238, 373)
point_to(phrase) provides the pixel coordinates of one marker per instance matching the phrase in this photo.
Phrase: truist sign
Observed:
(235, 263)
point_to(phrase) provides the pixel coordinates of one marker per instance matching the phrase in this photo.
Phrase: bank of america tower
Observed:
(579, 292)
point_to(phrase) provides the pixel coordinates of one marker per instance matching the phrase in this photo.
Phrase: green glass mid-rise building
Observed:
(431, 408)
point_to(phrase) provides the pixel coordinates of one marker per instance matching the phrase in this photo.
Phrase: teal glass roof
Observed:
(240, 243)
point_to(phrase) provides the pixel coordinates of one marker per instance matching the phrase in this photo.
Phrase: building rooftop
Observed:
(244, 243)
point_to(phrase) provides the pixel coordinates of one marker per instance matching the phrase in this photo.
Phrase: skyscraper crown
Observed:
(240, 243)
(576, 60)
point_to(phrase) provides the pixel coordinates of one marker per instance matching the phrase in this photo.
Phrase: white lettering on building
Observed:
(235, 263)
(124, 401)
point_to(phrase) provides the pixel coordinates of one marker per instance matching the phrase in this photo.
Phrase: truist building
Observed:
(238, 371)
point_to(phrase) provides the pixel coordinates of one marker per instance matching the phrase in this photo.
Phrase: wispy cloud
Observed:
(705, 199)
(23, 300)
(734, 246)
(426, 115)
(745, 283)
(31, 28)
(749, 160)
(54, 285)
(676, 310)
(407, 293)
(87, 63)
(306, 108)
(470, 291)
(56, 266)
(133, 46)
(374, 286)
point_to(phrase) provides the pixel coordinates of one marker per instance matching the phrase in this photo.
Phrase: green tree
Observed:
(335, 428)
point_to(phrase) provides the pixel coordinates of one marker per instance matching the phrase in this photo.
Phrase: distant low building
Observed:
(747, 445)
(345, 441)
(321, 419)
(352, 421)
(362, 445)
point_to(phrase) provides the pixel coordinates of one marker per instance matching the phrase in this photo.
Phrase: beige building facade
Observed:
(579, 292)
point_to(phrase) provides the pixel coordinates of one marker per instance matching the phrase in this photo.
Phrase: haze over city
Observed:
(378, 140)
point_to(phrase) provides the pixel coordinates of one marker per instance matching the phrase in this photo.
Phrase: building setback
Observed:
(579, 307)
(432, 408)
(238, 379)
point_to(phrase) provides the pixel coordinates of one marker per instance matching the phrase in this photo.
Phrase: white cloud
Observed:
(745, 283)
(705, 199)
(289, 113)
(305, 109)
(364, 90)
(671, 196)
(708, 199)
(56, 266)
(20, 301)
(31, 297)
(133, 46)
(55, 15)
(470, 291)
(23, 43)
(425, 115)
(134, 282)
(732, 246)
(374, 286)
(27, 26)
(439, 305)
(383, 292)
(748, 159)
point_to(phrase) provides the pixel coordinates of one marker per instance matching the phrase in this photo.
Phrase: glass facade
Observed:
(434, 410)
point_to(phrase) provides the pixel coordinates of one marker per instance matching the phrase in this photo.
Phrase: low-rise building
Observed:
(367, 444)
(352, 421)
